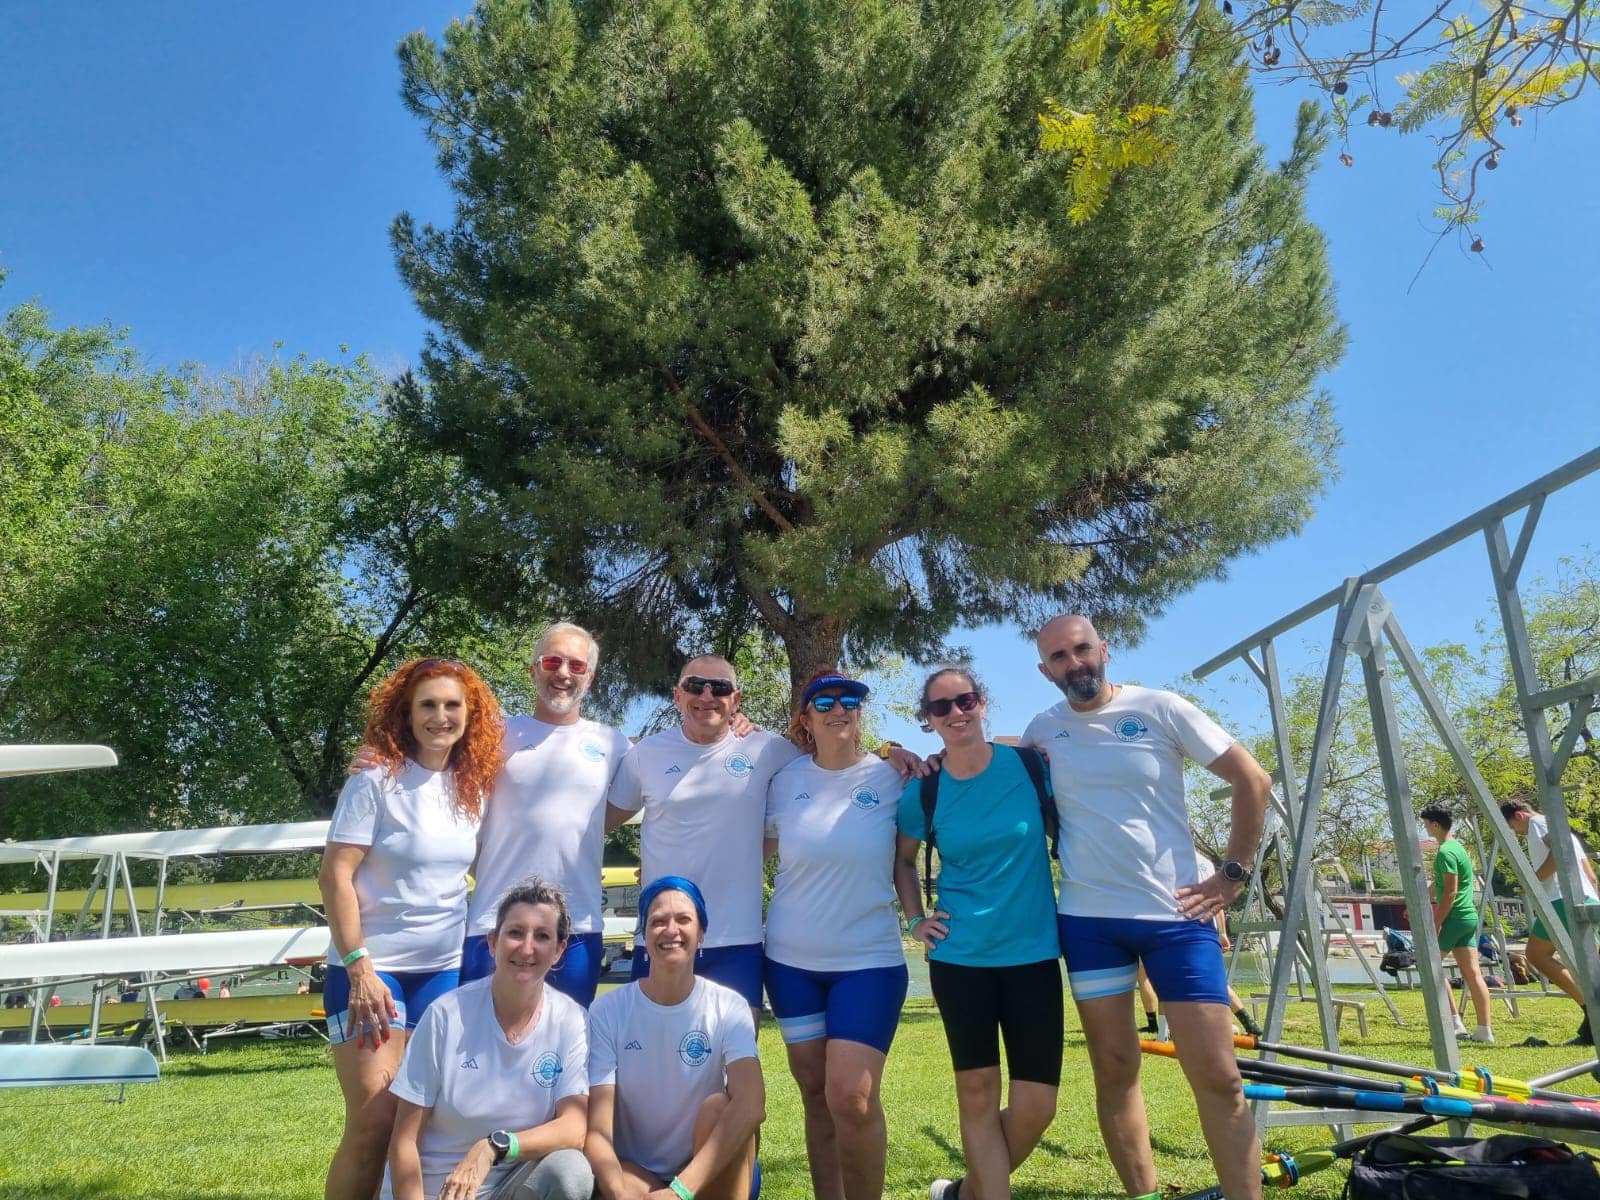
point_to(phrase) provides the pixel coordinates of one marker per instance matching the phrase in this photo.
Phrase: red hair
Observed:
(474, 760)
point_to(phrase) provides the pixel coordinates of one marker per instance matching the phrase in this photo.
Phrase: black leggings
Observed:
(981, 1005)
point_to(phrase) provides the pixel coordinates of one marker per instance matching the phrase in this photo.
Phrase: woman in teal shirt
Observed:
(993, 958)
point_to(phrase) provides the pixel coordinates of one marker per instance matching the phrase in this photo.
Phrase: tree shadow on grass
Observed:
(116, 1187)
(200, 1068)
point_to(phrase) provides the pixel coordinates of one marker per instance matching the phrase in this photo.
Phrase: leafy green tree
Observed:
(1464, 73)
(208, 574)
(776, 314)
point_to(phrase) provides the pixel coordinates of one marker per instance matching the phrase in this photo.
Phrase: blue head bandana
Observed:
(671, 883)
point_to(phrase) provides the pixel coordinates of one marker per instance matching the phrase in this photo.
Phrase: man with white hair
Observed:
(547, 814)
(1130, 894)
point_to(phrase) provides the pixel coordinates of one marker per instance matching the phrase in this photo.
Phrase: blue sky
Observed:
(221, 179)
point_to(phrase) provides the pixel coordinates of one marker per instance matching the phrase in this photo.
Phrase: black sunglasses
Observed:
(966, 702)
(696, 685)
(824, 704)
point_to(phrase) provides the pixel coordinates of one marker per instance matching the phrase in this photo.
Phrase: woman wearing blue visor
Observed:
(835, 971)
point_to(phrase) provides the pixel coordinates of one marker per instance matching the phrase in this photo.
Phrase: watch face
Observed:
(500, 1143)
(1234, 871)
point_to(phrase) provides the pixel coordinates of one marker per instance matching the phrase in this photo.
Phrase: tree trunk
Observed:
(814, 641)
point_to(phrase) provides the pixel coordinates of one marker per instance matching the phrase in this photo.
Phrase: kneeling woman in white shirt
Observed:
(493, 1089)
(676, 1093)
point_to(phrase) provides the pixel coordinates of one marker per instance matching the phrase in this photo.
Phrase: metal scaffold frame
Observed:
(1366, 627)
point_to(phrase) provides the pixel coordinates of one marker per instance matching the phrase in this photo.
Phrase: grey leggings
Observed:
(563, 1175)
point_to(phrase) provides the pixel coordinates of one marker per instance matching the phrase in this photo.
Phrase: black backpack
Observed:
(1033, 763)
(1506, 1166)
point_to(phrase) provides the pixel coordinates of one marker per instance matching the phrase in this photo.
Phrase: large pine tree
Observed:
(775, 311)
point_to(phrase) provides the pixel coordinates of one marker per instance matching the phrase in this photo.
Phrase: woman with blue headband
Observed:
(835, 969)
(675, 1088)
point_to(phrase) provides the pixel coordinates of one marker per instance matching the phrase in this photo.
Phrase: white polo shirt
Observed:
(1117, 773)
(459, 1064)
(411, 887)
(547, 817)
(664, 1060)
(704, 811)
(832, 906)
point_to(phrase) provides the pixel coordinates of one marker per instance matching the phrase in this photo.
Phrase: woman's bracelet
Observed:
(912, 923)
(680, 1189)
(515, 1149)
(358, 952)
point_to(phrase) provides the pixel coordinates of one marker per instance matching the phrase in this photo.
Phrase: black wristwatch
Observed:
(500, 1143)
(1237, 872)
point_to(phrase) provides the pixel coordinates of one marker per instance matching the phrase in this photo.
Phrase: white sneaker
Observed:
(944, 1189)
(1482, 1034)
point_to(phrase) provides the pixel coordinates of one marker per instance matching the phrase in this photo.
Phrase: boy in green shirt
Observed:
(1455, 918)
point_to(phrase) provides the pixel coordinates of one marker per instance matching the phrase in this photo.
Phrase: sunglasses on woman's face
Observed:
(553, 662)
(966, 702)
(697, 685)
(824, 704)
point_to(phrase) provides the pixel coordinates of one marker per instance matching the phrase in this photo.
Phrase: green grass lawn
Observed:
(259, 1119)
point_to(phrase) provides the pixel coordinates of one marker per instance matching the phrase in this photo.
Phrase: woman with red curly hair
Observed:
(394, 886)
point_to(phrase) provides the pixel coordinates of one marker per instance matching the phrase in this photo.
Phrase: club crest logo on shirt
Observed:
(547, 1069)
(695, 1047)
(470, 1065)
(1130, 729)
(865, 797)
(593, 751)
(738, 764)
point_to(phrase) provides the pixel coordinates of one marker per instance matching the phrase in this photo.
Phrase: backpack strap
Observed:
(1033, 763)
(930, 799)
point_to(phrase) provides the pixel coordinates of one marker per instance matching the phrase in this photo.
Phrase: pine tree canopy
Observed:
(775, 311)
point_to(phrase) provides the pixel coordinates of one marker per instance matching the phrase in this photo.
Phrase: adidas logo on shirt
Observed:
(803, 796)
(470, 1065)
(674, 770)
(633, 1045)
(1062, 734)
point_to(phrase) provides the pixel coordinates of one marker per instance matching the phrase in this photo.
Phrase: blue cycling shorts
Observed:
(855, 1006)
(736, 967)
(1182, 958)
(413, 991)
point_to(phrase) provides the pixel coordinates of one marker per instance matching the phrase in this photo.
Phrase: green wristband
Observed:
(912, 924)
(514, 1149)
(358, 952)
(680, 1189)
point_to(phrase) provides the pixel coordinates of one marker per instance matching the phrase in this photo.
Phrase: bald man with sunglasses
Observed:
(704, 795)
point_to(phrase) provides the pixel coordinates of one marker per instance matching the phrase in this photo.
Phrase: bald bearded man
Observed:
(1130, 894)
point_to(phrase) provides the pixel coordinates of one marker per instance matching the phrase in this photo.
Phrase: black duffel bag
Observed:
(1507, 1166)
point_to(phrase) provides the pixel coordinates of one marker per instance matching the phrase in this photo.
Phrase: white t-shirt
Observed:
(412, 885)
(664, 1062)
(1118, 779)
(459, 1064)
(547, 817)
(832, 907)
(704, 811)
(1538, 830)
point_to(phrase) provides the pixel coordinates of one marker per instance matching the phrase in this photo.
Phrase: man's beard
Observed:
(561, 703)
(1084, 686)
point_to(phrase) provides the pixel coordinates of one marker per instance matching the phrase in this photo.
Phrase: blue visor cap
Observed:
(841, 683)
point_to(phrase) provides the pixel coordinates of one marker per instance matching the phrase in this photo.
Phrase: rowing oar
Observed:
(1280, 1072)
(1284, 1170)
(1513, 1112)
(1473, 1079)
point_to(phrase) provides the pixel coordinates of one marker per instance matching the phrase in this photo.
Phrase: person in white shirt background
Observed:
(1527, 822)
(493, 1090)
(676, 1095)
(394, 887)
(835, 970)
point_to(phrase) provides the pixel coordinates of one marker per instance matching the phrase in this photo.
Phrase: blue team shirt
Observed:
(994, 873)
